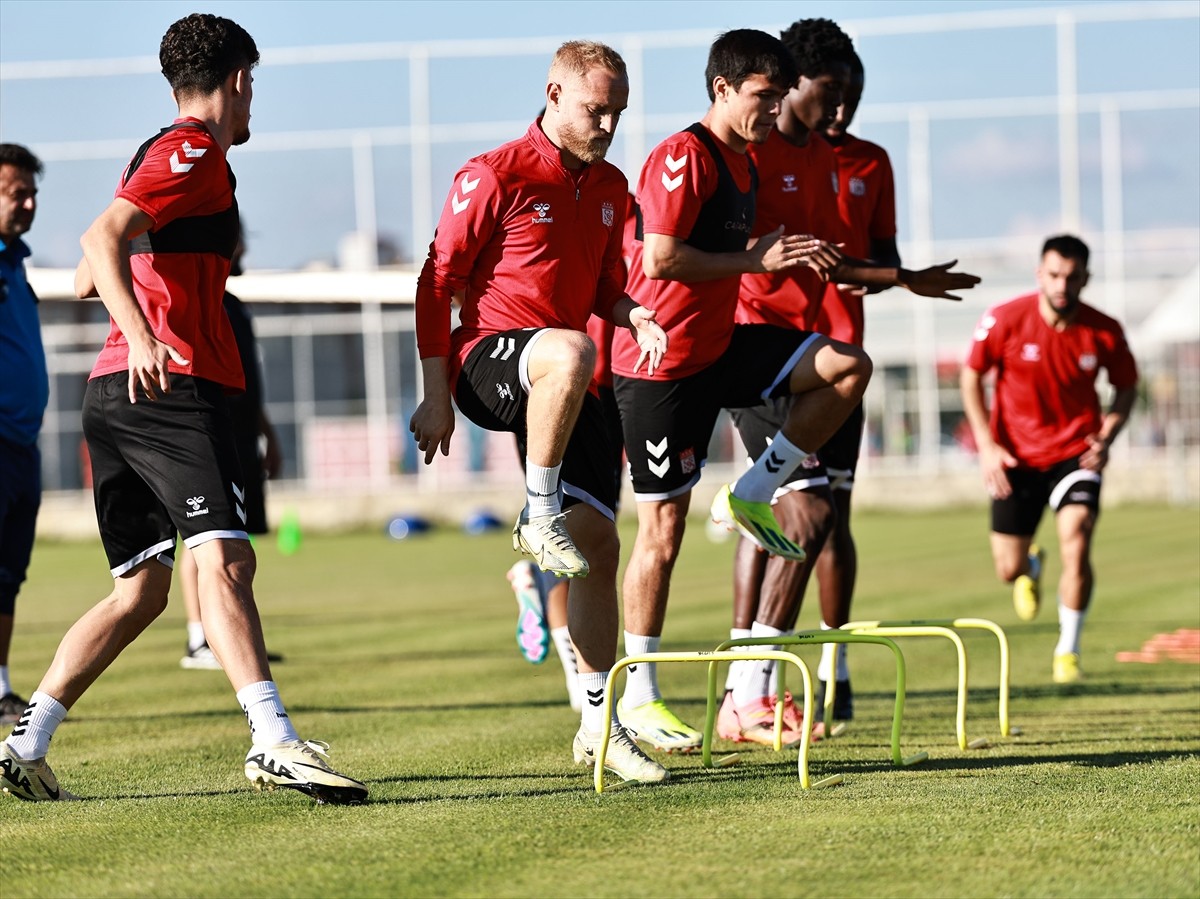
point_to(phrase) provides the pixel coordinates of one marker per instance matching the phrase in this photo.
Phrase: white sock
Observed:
(833, 665)
(566, 655)
(773, 680)
(641, 681)
(756, 675)
(591, 685)
(541, 490)
(759, 483)
(735, 668)
(30, 738)
(269, 723)
(195, 635)
(5, 683)
(1070, 628)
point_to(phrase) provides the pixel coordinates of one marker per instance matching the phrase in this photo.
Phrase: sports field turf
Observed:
(401, 655)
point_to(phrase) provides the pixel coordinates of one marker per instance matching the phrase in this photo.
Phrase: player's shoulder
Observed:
(178, 152)
(1097, 320)
(681, 148)
(864, 149)
(1011, 310)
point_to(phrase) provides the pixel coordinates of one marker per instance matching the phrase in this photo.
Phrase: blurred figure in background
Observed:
(24, 392)
(1047, 441)
(259, 455)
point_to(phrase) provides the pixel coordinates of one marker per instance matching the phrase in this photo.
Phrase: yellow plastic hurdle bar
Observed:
(713, 658)
(797, 639)
(1006, 728)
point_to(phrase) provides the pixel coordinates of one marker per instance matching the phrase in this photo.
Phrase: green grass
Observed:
(401, 655)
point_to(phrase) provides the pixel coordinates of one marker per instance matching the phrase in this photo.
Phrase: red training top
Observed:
(183, 176)
(1045, 402)
(528, 241)
(867, 201)
(797, 188)
(676, 181)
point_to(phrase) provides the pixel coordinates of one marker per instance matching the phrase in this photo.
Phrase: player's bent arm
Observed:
(885, 252)
(85, 287)
(1095, 457)
(106, 257)
(667, 258)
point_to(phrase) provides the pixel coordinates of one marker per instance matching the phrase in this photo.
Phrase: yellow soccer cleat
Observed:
(1027, 588)
(756, 522)
(1066, 668)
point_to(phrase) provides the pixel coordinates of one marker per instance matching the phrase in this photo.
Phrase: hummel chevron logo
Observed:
(595, 697)
(658, 469)
(671, 183)
(657, 449)
(468, 185)
(238, 491)
(505, 345)
(773, 463)
(183, 167)
(241, 512)
(459, 205)
(676, 164)
(631, 669)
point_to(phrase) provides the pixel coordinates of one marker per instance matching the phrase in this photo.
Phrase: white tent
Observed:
(1177, 317)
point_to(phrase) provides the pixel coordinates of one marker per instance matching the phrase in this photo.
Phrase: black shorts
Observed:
(20, 497)
(252, 466)
(668, 424)
(160, 467)
(493, 392)
(1060, 485)
(839, 455)
(758, 425)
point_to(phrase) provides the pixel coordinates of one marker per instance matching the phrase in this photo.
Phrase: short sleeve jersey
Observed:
(184, 184)
(798, 188)
(678, 179)
(1045, 402)
(528, 242)
(867, 202)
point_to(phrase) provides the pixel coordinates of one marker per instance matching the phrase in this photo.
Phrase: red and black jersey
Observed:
(867, 202)
(798, 188)
(696, 188)
(528, 242)
(181, 179)
(1045, 402)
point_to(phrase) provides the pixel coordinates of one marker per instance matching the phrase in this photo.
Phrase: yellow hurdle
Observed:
(804, 638)
(958, 624)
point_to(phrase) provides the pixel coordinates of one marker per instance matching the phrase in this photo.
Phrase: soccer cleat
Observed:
(29, 779)
(657, 725)
(756, 724)
(793, 719)
(301, 765)
(546, 539)
(12, 707)
(1066, 668)
(533, 636)
(200, 658)
(756, 522)
(624, 757)
(843, 700)
(728, 725)
(203, 658)
(1027, 588)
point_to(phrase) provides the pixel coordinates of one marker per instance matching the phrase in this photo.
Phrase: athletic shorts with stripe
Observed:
(834, 464)
(161, 467)
(493, 391)
(668, 424)
(1032, 490)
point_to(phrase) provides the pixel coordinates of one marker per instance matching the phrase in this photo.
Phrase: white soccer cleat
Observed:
(29, 779)
(301, 766)
(624, 757)
(546, 539)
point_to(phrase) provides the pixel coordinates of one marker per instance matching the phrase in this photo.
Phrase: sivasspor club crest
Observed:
(858, 187)
(687, 461)
(607, 214)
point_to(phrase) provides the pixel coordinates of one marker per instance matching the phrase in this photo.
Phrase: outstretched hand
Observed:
(937, 281)
(776, 252)
(651, 338)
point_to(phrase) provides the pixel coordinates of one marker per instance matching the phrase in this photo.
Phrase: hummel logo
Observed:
(631, 669)
(468, 185)
(671, 183)
(505, 345)
(773, 463)
(459, 205)
(178, 167)
(196, 502)
(543, 216)
(595, 697)
(676, 164)
(23, 722)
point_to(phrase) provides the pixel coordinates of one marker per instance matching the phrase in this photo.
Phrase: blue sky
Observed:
(1004, 169)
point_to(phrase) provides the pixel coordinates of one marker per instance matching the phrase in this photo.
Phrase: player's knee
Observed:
(858, 373)
(569, 354)
(1008, 570)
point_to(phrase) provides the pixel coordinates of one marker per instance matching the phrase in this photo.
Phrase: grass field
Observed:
(401, 655)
